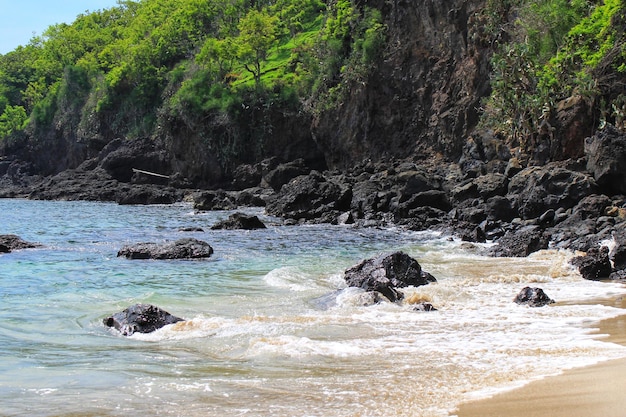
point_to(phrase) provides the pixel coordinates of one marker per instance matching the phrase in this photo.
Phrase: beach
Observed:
(596, 390)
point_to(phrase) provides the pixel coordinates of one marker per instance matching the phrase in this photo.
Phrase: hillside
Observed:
(217, 85)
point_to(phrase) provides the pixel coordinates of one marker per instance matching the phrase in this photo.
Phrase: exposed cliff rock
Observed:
(423, 97)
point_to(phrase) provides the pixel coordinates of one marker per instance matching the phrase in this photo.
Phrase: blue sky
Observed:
(19, 19)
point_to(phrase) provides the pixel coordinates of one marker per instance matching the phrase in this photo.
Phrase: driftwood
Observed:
(154, 174)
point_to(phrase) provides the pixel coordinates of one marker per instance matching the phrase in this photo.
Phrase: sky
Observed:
(20, 20)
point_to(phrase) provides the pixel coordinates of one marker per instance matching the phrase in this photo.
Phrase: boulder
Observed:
(539, 188)
(284, 173)
(10, 243)
(140, 318)
(239, 221)
(187, 248)
(606, 158)
(533, 297)
(595, 265)
(385, 273)
(310, 197)
(521, 242)
(214, 200)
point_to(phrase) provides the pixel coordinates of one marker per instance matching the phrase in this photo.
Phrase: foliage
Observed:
(550, 52)
(12, 119)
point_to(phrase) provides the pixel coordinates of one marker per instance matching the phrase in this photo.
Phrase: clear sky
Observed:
(21, 19)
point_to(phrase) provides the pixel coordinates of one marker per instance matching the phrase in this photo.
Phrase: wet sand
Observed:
(597, 390)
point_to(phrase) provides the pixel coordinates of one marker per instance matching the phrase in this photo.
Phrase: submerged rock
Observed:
(386, 273)
(141, 318)
(9, 243)
(240, 221)
(187, 248)
(533, 297)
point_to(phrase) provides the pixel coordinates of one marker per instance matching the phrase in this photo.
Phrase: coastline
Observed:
(595, 390)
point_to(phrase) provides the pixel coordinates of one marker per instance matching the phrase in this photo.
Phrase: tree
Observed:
(257, 34)
(12, 120)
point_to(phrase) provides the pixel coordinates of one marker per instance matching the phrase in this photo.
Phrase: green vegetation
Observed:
(153, 66)
(555, 49)
(162, 67)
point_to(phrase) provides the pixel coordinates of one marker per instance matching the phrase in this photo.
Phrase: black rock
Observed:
(240, 221)
(606, 156)
(188, 248)
(142, 318)
(424, 307)
(595, 265)
(386, 273)
(9, 243)
(533, 297)
(521, 242)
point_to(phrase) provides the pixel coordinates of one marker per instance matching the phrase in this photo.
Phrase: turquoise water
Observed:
(257, 340)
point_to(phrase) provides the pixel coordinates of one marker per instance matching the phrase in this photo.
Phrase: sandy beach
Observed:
(597, 390)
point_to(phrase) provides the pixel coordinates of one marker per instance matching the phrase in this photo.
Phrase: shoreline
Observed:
(594, 390)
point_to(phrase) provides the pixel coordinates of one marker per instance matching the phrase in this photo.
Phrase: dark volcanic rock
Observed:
(240, 221)
(9, 243)
(310, 197)
(284, 173)
(521, 242)
(386, 273)
(424, 306)
(595, 265)
(540, 188)
(533, 297)
(188, 248)
(606, 158)
(142, 318)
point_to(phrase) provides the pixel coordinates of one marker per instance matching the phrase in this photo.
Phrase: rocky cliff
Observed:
(423, 97)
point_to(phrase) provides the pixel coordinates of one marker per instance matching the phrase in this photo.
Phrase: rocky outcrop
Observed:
(140, 318)
(239, 221)
(10, 243)
(533, 297)
(423, 96)
(386, 273)
(606, 158)
(187, 248)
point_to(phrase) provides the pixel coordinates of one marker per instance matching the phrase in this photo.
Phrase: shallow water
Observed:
(266, 333)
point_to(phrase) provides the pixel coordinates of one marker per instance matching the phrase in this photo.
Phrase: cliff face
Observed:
(423, 97)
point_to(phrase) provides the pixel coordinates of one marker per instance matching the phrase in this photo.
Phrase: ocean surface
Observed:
(270, 329)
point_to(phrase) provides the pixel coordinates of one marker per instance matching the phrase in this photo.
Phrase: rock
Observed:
(120, 157)
(188, 248)
(595, 265)
(385, 273)
(142, 318)
(310, 197)
(246, 176)
(606, 158)
(239, 221)
(148, 194)
(214, 200)
(521, 242)
(533, 297)
(191, 229)
(10, 243)
(618, 252)
(284, 173)
(539, 188)
(424, 307)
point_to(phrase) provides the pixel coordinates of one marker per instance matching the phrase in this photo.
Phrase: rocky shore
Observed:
(488, 195)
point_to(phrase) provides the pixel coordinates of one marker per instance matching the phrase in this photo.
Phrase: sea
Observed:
(270, 328)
